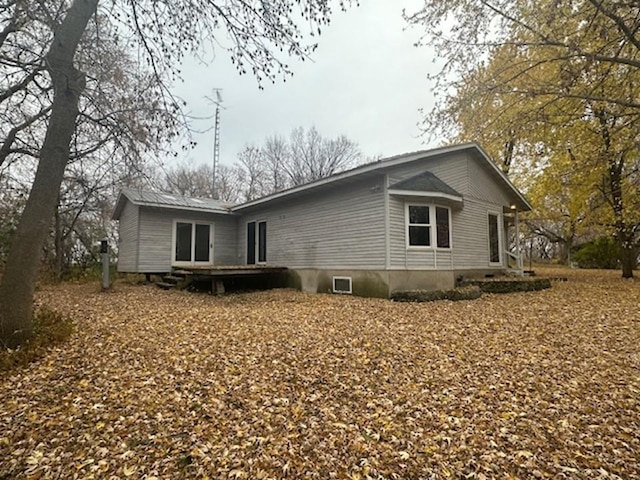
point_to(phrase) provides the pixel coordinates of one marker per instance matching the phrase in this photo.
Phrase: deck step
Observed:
(172, 279)
(181, 273)
(175, 280)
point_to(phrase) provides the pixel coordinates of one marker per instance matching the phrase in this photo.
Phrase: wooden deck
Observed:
(221, 278)
(229, 270)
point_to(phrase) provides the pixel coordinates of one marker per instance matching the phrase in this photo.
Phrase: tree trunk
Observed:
(21, 270)
(564, 252)
(58, 262)
(628, 258)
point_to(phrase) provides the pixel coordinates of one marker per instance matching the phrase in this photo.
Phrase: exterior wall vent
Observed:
(342, 285)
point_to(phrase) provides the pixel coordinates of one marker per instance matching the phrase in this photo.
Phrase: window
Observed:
(192, 243)
(183, 242)
(494, 239)
(442, 228)
(256, 247)
(342, 285)
(428, 225)
(262, 242)
(251, 243)
(419, 226)
(202, 242)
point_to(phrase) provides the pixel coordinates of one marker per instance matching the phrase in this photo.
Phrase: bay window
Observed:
(428, 226)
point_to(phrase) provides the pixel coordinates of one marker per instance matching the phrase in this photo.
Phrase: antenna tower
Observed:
(216, 138)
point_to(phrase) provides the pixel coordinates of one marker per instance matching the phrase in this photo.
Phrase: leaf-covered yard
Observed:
(281, 384)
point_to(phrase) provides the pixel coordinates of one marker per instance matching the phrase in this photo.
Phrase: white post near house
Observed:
(104, 254)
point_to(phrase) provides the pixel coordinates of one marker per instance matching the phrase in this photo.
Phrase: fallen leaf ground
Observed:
(282, 384)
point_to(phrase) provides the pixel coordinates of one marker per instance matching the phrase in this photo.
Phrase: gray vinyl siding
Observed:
(225, 247)
(483, 184)
(128, 239)
(471, 234)
(452, 170)
(469, 223)
(469, 238)
(341, 227)
(156, 234)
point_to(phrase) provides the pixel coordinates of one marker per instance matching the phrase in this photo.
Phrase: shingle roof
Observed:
(425, 182)
(169, 200)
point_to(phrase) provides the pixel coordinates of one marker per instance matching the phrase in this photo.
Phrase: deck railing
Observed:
(517, 259)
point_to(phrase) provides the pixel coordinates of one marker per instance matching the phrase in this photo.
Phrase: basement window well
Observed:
(342, 285)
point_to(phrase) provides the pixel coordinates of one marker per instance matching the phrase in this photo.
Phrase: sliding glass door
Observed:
(193, 243)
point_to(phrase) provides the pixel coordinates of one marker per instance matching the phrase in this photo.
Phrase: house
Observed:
(414, 221)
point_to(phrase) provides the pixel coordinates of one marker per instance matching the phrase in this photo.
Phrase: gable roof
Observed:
(473, 148)
(168, 200)
(425, 182)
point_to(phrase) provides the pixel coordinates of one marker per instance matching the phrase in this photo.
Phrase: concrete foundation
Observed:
(381, 283)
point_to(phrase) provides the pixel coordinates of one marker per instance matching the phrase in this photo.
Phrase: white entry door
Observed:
(192, 243)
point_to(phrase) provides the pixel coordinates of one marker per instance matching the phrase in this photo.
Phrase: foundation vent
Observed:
(342, 285)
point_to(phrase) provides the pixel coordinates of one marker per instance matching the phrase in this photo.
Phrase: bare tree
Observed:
(189, 181)
(252, 173)
(196, 181)
(308, 156)
(276, 154)
(278, 164)
(228, 184)
(165, 31)
(119, 120)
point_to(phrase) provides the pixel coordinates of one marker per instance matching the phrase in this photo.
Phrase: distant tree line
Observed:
(278, 164)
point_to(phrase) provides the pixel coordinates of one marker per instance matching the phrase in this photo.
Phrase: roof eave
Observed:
(181, 207)
(119, 206)
(123, 198)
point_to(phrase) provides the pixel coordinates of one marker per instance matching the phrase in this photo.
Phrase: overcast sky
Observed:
(366, 80)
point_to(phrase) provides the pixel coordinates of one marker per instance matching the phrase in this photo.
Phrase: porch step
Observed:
(174, 279)
(181, 273)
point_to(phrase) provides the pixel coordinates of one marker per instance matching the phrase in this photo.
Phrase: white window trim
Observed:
(344, 292)
(500, 239)
(174, 233)
(433, 235)
(257, 245)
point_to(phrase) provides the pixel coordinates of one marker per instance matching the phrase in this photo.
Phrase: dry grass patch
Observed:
(288, 385)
